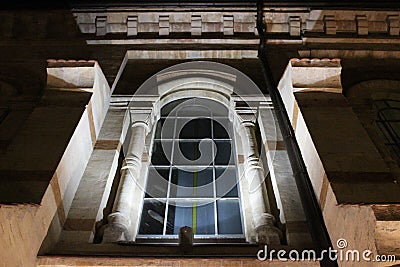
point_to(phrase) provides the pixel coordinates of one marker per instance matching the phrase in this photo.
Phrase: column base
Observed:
(268, 235)
(117, 228)
(267, 232)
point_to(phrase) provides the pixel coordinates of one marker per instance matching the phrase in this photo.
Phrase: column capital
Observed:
(142, 116)
(247, 116)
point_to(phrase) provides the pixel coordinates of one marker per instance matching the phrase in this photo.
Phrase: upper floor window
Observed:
(192, 179)
(388, 122)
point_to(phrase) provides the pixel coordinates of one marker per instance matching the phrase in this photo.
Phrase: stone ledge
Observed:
(315, 62)
(46, 261)
(60, 63)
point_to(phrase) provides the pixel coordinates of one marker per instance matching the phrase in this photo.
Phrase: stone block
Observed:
(362, 25)
(150, 17)
(87, 27)
(213, 17)
(70, 77)
(393, 25)
(132, 25)
(196, 24)
(163, 25)
(101, 25)
(330, 24)
(244, 18)
(228, 25)
(116, 27)
(278, 27)
(180, 18)
(315, 25)
(316, 73)
(347, 26)
(377, 26)
(116, 18)
(294, 26)
(212, 27)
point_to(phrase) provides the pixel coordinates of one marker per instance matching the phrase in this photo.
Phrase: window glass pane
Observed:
(194, 128)
(157, 183)
(192, 183)
(193, 109)
(224, 153)
(165, 129)
(222, 129)
(217, 109)
(229, 221)
(160, 149)
(389, 114)
(193, 152)
(197, 215)
(178, 217)
(226, 182)
(205, 219)
(152, 221)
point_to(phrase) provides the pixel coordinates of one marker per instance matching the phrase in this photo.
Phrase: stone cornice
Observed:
(198, 22)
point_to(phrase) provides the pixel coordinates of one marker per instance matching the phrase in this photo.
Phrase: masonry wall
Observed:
(345, 167)
(23, 227)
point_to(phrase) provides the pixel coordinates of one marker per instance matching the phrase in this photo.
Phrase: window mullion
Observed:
(169, 178)
(214, 177)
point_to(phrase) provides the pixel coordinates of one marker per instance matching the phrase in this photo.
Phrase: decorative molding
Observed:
(362, 25)
(294, 25)
(393, 25)
(163, 25)
(330, 25)
(132, 25)
(101, 25)
(197, 23)
(229, 25)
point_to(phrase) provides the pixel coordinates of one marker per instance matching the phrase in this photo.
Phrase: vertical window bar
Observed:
(194, 204)
(214, 177)
(169, 177)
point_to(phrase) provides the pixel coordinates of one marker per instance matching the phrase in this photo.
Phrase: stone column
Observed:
(263, 220)
(120, 220)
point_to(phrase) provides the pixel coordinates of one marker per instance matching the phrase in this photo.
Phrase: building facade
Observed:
(163, 133)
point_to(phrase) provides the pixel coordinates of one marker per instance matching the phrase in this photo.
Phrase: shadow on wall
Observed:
(359, 70)
(375, 102)
(35, 133)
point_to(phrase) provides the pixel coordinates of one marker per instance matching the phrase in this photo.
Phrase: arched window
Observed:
(388, 122)
(185, 123)
(192, 180)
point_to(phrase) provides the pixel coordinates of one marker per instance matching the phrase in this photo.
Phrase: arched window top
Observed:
(194, 107)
